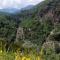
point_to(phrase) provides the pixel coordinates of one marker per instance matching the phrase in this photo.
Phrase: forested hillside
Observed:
(40, 21)
(34, 29)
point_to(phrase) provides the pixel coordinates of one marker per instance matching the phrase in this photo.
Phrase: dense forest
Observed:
(34, 29)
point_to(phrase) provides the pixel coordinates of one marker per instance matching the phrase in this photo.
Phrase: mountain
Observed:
(15, 10)
(38, 27)
(9, 10)
(28, 7)
(41, 26)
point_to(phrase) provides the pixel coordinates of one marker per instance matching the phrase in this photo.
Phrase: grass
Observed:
(18, 56)
(31, 56)
(7, 56)
(12, 56)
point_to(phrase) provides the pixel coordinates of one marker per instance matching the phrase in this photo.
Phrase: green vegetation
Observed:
(31, 31)
(7, 56)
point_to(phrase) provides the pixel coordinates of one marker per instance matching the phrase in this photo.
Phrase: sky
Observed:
(17, 3)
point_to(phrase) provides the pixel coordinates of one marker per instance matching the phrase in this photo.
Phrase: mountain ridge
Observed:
(39, 28)
(15, 10)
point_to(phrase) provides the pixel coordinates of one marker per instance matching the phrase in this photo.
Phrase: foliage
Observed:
(37, 24)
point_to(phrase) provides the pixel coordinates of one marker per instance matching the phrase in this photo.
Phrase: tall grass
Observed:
(30, 56)
(7, 56)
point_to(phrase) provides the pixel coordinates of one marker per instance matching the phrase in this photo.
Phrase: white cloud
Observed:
(17, 3)
(9, 3)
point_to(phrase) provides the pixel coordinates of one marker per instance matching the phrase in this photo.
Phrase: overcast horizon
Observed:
(17, 3)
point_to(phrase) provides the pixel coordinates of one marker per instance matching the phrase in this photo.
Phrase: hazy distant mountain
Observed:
(13, 10)
(28, 7)
(9, 10)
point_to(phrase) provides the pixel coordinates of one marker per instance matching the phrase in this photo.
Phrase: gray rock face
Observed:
(20, 34)
(53, 41)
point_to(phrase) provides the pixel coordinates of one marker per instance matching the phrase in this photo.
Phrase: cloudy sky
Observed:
(17, 3)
